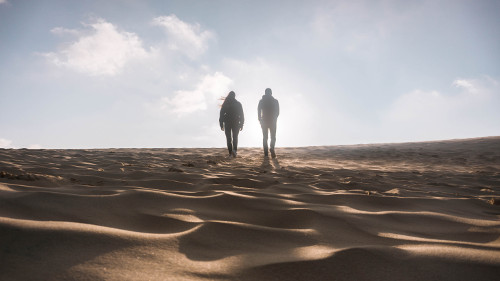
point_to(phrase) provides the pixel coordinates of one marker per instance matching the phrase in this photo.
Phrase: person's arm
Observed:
(242, 117)
(259, 110)
(221, 118)
(277, 108)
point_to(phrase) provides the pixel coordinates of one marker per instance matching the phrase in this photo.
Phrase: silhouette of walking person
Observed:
(231, 121)
(268, 111)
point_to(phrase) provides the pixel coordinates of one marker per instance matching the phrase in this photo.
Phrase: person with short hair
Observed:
(268, 112)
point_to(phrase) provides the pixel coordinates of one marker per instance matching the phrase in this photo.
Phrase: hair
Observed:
(230, 96)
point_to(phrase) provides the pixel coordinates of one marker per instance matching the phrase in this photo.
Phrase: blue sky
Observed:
(99, 74)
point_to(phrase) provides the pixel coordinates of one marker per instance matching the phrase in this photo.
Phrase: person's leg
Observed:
(272, 128)
(265, 132)
(227, 130)
(236, 131)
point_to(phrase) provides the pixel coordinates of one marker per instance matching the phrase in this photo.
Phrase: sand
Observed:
(413, 211)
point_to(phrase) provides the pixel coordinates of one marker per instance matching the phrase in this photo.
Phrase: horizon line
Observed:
(278, 147)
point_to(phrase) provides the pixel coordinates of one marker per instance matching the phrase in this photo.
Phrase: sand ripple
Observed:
(416, 211)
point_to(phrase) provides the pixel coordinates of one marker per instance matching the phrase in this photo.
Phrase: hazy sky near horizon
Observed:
(99, 74)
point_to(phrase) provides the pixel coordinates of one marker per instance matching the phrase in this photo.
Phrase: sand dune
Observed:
(411, 211)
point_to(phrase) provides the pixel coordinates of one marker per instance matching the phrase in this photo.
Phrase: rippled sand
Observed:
(415, 211)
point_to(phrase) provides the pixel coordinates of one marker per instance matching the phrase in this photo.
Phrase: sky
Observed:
(107, 74)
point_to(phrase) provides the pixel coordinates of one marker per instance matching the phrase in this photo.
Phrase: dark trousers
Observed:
(266, 128)
(232, 142)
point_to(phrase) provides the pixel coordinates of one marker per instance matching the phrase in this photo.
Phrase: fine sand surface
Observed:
(414, 211)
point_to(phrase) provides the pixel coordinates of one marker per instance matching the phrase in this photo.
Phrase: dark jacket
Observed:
(231, 113)
(268, 109)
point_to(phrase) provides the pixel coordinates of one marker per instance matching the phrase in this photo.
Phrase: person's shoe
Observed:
(273, 155)
(230, 154)
(234, 153)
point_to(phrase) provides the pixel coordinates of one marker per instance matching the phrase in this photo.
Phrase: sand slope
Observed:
(415, 211)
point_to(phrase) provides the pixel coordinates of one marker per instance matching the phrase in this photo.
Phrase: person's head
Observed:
(229, 98)
(269, 92)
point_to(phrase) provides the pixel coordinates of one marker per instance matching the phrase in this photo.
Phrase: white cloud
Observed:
(186, 38)
(473, 112)
(5, 143)
(102, 50)
(468, 85)
(185, 102)
(3, 2)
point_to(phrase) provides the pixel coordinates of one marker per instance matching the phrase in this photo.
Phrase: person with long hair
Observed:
(231, 121)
